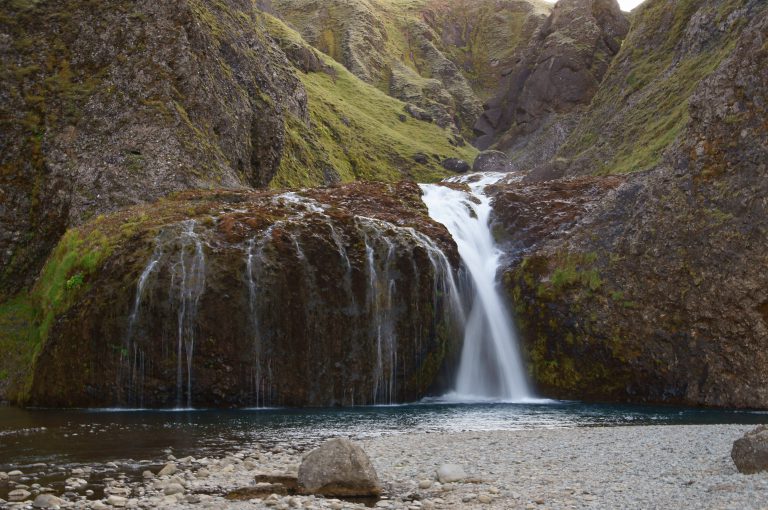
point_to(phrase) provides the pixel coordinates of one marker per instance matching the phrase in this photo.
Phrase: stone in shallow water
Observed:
(338, 468)
(750, 452)
(168, 469)
(448, 473)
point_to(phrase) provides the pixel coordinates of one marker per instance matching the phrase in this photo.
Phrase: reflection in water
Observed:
(83, 436)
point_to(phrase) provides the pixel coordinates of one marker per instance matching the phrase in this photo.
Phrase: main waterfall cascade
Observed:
(491, 367)
(383, 297)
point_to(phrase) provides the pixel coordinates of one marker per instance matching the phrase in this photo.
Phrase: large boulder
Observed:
(324, 297)
(338, 468)
(750, 453)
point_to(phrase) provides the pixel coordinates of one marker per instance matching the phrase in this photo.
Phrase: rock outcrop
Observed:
(554, 80)
(338, 468)
(651, 289)
(334, 296)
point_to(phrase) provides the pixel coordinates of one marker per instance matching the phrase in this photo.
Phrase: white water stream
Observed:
(491, 367)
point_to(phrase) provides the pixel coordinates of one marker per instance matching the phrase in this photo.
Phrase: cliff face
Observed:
(328, 297)
(643, 103)
(110, 104)
(649, 287)
(554, 80)
(102, 109)
(442, 57)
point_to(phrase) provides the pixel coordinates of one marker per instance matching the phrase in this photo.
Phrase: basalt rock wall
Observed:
(326, 297)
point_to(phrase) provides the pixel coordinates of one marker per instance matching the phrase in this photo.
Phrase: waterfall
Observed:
(383, 242)
(491, 367)
(189, 276)
(133, 361)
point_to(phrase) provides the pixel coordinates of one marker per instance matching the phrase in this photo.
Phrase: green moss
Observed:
(647, 90)
(26, 319)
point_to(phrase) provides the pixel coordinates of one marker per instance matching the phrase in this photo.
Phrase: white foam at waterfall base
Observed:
(491, 368)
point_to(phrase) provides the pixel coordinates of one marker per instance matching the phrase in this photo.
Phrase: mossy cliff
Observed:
(442, 57)
(651, 287)
(104, 105)
(643, 103)
(334, 296)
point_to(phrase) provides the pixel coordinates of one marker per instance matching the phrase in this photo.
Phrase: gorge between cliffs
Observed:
(267, 223)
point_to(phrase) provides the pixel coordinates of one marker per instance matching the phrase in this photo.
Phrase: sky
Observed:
(626, 5)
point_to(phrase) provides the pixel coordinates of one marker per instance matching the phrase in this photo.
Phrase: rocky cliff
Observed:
(554, 80)
(330, 296)
(108, 104)
(650, 287)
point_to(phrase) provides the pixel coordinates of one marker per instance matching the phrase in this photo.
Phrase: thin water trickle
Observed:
(491, 367)
(190, 275)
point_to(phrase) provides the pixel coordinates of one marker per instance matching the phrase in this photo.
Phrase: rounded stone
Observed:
(338, 468)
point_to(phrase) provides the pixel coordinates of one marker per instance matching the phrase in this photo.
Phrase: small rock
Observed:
(203, 473)
(418, 113)
(420, 158)
(99, 505)
(338, 468)
(15, 473)
(147, 475)
(19, 495)
(449, 473)
(47, 501)
(117, 501)
(168, 469)
(456, 165)
(425, 484)
(750, 452)
(484, 498)
(172, 489)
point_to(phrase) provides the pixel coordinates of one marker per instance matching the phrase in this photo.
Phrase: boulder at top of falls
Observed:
(449, 473)
(338, 468)
(456, 165)
(750, 452)
(491, 161)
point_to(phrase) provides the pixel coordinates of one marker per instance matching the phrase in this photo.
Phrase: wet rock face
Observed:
(334, 296)
(652, 294)
(557, 75)
(118, 103)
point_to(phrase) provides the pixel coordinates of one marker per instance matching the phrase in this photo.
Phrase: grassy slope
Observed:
(492, 31)
(356, 131)
(642, 105)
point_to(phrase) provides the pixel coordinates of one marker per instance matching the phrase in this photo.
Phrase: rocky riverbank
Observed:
(608, 467)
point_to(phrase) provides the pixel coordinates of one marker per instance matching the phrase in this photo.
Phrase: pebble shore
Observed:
(605, 467)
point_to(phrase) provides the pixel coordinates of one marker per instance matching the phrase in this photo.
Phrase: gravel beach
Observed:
(606, 467)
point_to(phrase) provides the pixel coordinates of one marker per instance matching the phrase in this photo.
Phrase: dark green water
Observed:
(69, 437)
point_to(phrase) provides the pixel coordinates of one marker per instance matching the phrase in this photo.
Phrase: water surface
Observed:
(71, 437)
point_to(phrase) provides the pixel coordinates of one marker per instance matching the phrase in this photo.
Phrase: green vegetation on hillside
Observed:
(356, 131)
(26, 318)
(642, 106)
